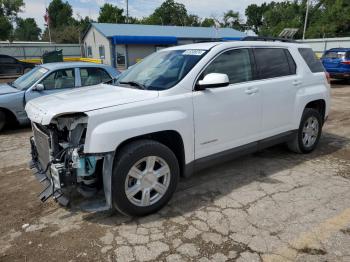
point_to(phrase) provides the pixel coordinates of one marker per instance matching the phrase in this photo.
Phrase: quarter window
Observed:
(272, 62)
(64, 78)
(93, 76)
(234, 63)
(311, 60)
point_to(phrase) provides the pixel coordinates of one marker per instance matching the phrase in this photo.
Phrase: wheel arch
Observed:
(12, 118)
(169, 138)
(319, 105)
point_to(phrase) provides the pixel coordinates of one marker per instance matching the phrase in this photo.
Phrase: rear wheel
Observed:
(2, 120)
(309, 132)
(145, 177)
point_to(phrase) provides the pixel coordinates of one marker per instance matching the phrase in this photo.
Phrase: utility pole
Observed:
(127, 11)
(306, 17)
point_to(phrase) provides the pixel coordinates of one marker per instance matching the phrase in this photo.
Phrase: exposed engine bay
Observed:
(58, 156)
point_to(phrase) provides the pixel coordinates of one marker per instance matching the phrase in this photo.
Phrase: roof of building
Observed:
(112, 30)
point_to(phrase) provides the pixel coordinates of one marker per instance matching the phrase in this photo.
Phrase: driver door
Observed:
(230, 116)
(57, 81)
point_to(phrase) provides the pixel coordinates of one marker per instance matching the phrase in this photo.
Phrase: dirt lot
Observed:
(270, 206)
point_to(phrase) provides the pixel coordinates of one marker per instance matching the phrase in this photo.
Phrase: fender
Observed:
(307, 95)
(108, 135)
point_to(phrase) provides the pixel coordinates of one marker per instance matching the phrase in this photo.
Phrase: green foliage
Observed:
(8, 14)
(60, 14)
(233, 20)
(169, 13)
(27, 30)
(208, 22)
(111, 14)
(327, 18)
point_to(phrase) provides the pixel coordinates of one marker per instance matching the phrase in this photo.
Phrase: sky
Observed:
(138, 8)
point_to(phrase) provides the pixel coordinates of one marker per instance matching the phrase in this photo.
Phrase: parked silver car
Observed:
(48, 79)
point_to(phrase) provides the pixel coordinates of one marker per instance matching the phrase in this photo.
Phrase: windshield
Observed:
(28, 79)
(161, 70)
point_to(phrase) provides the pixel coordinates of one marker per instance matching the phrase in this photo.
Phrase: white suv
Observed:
(179, 110)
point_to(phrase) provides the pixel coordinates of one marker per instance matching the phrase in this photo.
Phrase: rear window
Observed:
(334, 54)
(311, 60)
(273, 62)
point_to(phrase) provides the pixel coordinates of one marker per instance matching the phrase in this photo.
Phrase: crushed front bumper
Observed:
(49, 180)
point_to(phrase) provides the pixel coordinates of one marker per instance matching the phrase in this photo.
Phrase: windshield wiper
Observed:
(135, 84)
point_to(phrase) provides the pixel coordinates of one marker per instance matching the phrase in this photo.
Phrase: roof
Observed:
(209, 45)
(62, 65)
(111, 30)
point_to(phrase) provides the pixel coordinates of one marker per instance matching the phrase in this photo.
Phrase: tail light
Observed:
(328, 76)
(346, 62)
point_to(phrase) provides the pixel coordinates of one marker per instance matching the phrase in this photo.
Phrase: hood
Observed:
(7, 89)
(44, 109)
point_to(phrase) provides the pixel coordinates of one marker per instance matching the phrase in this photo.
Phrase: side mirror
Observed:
(38, 87)
(213, 80)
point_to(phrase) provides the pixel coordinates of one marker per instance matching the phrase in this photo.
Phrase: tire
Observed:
(310, 118)
(26, 70)
(2, 120)
(132, 183)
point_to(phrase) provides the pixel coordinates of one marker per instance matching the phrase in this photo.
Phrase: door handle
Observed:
(297, 83)
(251, 91)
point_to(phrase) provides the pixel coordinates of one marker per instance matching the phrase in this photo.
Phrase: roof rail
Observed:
(267, 38)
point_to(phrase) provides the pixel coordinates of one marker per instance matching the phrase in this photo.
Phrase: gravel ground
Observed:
(270, 206)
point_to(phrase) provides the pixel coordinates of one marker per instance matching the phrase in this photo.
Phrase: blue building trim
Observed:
(150, 40)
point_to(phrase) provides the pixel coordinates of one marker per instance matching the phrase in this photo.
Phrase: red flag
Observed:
(47, 17)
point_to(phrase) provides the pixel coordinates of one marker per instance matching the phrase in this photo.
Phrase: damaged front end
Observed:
(60, 163)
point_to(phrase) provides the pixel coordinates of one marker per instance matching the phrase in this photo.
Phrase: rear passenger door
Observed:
(278, 82)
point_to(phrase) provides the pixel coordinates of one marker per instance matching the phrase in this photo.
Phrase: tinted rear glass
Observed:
(311, 60)
(272, 62)
(334, 54)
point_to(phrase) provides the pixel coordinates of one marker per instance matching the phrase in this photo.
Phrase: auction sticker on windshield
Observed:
(193, 52)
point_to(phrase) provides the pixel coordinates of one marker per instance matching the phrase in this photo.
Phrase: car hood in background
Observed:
(7, 89)
(44, 109)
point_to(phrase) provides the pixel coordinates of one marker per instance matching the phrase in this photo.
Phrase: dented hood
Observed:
(42, 110)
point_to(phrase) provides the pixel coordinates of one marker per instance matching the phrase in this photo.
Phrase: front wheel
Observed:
(309, 132)
(145, 176)
(2, 120)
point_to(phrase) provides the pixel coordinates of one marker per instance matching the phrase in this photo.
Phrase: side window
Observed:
(8, 60)
(235, 63)
(64, 78)
(311, 60)
(93, 76)
(89, 51)
(101, 51)
(271, 62)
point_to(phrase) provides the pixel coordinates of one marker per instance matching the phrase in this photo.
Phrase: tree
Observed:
(8, 14)
(233, 19)
(111, 14)
(60, 14)
(208, 22)
(27, 30)
(169, 13)
(192, 20)
(254, 14)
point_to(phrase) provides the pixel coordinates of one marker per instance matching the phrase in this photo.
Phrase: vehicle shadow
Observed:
(211, 184)
(340, 83)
